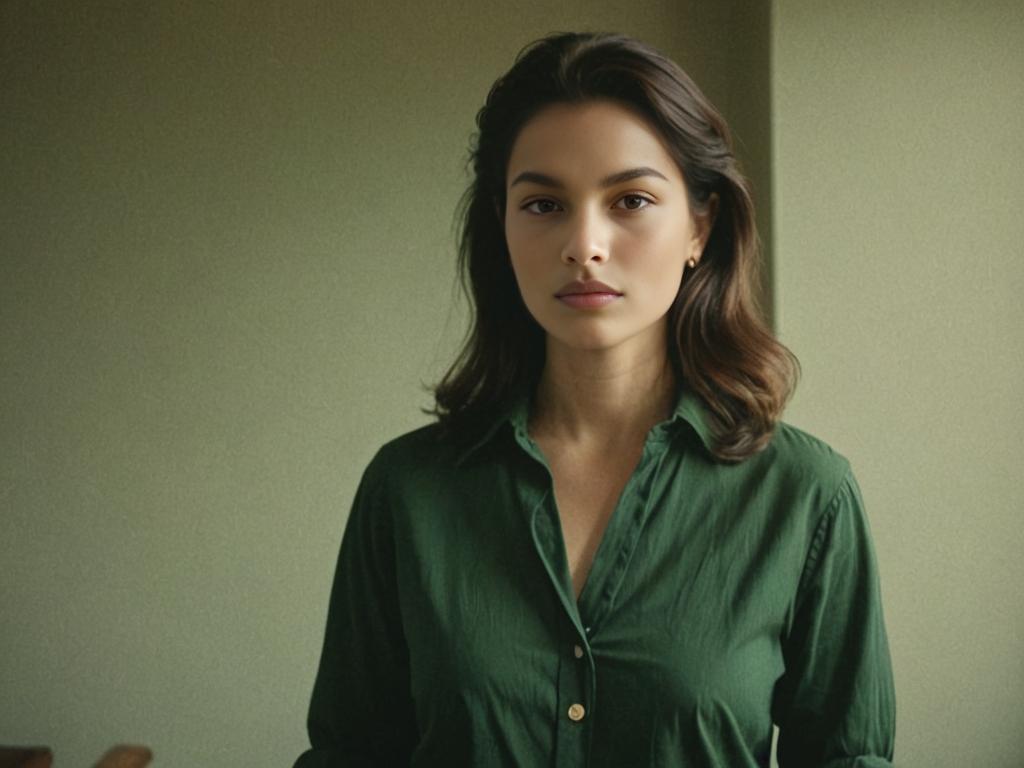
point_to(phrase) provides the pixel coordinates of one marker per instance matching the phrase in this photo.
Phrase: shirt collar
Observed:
(689, 409)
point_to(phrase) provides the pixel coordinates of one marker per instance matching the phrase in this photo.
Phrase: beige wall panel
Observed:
(899, 172)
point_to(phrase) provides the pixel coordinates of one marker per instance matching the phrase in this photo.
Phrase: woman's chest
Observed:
(687, 613)
(586, 490)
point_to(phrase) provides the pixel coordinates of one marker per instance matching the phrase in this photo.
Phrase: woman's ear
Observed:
(705, 222)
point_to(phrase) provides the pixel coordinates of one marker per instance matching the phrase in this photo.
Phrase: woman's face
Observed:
(593, 195)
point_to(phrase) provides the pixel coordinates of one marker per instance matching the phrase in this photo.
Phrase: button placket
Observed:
(575, 700)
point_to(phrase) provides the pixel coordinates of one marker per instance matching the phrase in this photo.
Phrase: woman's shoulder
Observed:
(414, 447)
(797, 459)
(791, 443)
(426, 451)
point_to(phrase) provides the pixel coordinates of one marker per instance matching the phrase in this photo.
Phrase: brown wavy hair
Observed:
(719, 344)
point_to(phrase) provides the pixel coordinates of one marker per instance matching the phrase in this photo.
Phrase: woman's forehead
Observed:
(588, 141)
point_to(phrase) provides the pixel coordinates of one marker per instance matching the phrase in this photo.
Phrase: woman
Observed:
(608, 551)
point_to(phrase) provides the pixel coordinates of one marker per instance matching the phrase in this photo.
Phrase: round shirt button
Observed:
(576, 712)
(577, 651)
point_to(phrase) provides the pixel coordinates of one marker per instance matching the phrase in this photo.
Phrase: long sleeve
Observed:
(835, 704)
(361, 711)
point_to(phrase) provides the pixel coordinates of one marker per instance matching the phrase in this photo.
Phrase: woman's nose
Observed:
(587, 238)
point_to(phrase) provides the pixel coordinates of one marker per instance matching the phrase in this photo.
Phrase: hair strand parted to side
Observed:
(720, 346)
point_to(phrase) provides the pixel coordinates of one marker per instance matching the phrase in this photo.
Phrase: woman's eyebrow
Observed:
(608, 181)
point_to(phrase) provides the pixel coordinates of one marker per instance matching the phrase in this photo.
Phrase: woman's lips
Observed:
(587, 294)
(588, 300)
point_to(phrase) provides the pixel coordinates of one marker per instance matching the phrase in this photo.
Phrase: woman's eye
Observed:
(540, 206)
(630, 203)
(634, 202)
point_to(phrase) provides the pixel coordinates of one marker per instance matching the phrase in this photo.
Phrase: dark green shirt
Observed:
(722, 598)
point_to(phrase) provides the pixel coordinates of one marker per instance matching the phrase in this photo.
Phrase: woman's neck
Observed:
(597, 397)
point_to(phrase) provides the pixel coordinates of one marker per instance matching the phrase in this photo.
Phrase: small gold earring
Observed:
(692, 262)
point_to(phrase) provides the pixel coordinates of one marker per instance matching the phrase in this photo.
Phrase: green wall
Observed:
(226, 266)
(899, 243)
